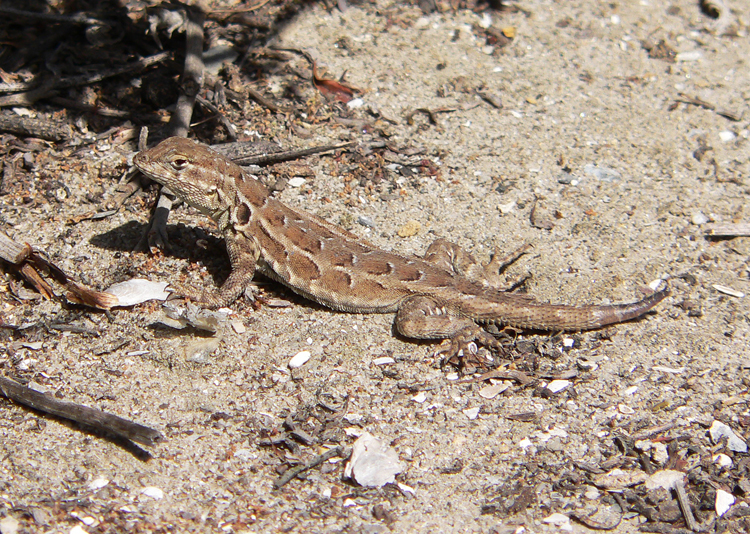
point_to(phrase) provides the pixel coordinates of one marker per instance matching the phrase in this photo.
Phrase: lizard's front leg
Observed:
(243, 256)
(422, 317)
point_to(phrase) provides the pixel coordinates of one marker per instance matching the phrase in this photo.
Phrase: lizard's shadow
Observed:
(185, 242)
(197, 246)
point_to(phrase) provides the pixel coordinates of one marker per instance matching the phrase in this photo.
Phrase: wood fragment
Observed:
(287, 155)
(687, 512)
(11, 251)
(33, 127)
(728, 230)
(50, 87)
(292, 472)
(91, 417)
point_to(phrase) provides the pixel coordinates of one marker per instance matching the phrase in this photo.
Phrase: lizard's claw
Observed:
(463, 348)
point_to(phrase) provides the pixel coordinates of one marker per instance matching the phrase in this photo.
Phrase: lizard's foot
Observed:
(462, 350)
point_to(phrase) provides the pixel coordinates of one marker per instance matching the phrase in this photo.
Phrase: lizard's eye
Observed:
(179, 163)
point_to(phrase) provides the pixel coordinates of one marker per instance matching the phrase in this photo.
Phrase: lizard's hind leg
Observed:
(453, 258)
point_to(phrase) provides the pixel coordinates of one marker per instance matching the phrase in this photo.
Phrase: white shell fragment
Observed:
(420, 397)
(558, 385)
(666, 478)
(719, 430)
(692, 55)
(137, 291)
(383, 360)
(728, 291)
(471, 413)
(153, 492)
(727, 136)
(492, 391)
(297, 181)
(299, 359)
(671, 370)
(723, 502)
(561, 521)
(98, 483)
(722, 460)
(373, 464)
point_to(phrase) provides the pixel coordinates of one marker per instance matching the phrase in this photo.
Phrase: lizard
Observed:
(445, 295)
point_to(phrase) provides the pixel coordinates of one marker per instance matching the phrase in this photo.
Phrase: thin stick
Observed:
(101, 421)
(292, 472)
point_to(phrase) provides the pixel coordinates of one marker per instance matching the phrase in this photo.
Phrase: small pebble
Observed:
(355, 103)
(153, 492)
(410, 229)
(558, 385)
(692, 55)
(383, 360)
(625, 409)
(490, 392)
(239, 327)
(727, 136)
(297, 181)
(722, 460)
(299, 359)
(698, 218)
(724, 501)
(604, 174)
(420, 397)
(471, 413)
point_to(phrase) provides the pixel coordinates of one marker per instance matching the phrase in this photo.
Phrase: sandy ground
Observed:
(587, 138)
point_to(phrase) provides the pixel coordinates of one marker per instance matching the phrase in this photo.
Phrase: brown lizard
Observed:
(445, 295)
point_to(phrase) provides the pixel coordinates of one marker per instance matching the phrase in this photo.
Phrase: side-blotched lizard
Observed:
(445, 295)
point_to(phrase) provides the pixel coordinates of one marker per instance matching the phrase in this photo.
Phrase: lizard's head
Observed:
(192, 171)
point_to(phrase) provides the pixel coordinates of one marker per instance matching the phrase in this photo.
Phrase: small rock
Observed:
(153, 492)
(410, 229)
(297, 181)
(724, 501)
(722, 460)
(698, 218)
(719, 430)
(727, 136)
(471, 413)
(561, 521)
(492, 391)
(420, 397)
(692, 55)
(383, 360)
(98, 483)
(373, 464)
(299, 359)
(8, 525)
(604, 174)
(558, 385)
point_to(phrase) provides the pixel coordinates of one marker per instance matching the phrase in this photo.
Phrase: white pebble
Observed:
(558, 385)
(724, 501)
(420, 397)
(98, 483)
(297, 181)
(471, 413)
(727, 136)
(692, 55)
(383, 360)
(153, 492)
(299, 359)
(698, 218)
(722, 460)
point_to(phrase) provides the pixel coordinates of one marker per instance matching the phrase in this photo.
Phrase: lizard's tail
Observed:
(532, 315)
